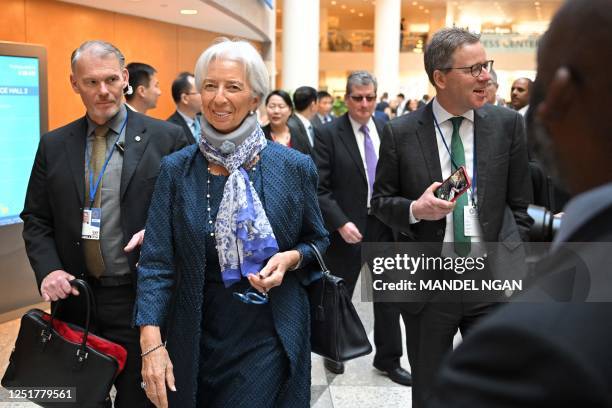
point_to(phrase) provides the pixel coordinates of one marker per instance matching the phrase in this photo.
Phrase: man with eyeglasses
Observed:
(556, 352)
(417, 153)
(346, 153)
(188, 106)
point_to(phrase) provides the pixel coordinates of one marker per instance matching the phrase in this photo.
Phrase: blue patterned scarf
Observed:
(244, 236)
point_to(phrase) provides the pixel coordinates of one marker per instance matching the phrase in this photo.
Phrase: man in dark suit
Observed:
(324, 107)
(188, 106)
(346, 154)
(422, 149)
(300, 125)
(87, 202)
(556, 353)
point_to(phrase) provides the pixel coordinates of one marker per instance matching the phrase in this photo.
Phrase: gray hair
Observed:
(240, 51)
(360, 78)
(439, 52)
(100, 49)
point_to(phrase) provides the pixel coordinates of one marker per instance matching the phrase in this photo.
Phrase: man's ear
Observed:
(140, 91)
(439, 79)
(73, 83)
(125, 74)
(560, 95)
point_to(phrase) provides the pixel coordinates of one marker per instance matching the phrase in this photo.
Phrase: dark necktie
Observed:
(462, 243)
(370, 156)
(91, 247)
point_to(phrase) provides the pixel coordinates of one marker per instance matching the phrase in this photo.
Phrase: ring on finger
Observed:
(143, 385)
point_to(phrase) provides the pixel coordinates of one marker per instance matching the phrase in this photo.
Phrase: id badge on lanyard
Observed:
(91, 223)
(92, 216)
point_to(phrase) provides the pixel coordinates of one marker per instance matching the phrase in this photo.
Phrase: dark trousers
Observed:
(113, 321)
(430, 336)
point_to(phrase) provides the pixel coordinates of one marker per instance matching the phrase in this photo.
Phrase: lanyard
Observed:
(92, 191)
(474, 172)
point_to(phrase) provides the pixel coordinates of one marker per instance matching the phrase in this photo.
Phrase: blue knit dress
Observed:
(242, 361)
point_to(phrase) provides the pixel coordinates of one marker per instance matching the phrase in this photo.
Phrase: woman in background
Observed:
(229, 223)
(278, 109)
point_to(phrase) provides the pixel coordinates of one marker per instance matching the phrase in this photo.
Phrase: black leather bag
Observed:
(336, 332)
(51, 354)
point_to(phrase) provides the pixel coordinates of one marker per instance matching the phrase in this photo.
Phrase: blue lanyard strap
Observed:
(92, 191)
(453, 163)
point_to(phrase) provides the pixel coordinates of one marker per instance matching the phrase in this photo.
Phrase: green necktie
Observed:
(462, 243)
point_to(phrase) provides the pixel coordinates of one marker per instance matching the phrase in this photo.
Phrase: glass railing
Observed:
(360, 41)
(363, 41)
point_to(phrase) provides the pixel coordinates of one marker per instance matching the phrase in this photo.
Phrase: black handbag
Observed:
(57, 364)
(336, 332)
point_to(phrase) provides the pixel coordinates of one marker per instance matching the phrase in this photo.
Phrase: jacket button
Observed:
(77, 243)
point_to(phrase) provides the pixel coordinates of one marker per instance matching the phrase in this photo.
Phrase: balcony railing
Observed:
(360, 41)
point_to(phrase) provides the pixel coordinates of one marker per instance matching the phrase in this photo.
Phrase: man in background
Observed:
(300, 125)
(188, 106)
(492, 87)
(87, 201)
(556, 351)
(346, 153)
(324, 108)
(144, 87)
(519, 95)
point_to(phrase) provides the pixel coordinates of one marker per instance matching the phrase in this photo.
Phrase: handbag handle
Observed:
(319, 258)
(84, 289)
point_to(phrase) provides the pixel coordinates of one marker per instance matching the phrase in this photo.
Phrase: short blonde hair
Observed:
(240, 51)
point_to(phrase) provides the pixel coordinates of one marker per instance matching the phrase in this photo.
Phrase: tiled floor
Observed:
(361, 386)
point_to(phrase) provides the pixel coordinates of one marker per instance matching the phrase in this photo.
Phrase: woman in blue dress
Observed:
(221, 302)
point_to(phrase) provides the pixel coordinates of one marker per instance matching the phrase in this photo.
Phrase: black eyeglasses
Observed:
(475, 69)
(359, 98)
(252, 297)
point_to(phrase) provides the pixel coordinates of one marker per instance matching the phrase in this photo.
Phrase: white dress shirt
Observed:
(189, 122)
(308, 127)
(466, 132)
(360, 138)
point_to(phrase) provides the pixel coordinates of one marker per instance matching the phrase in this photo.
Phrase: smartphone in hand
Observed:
(457, 184)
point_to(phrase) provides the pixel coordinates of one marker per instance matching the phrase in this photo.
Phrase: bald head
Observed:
(571, 95)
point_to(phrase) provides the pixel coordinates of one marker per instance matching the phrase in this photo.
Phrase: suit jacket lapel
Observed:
(346, 135)
(75, 150)
(136, 140)
(483, 134)
(426, 135)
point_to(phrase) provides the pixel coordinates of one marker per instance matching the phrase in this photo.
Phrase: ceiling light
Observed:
(414, 3)
(189, 12)
(333, 3)
(537, 3)
(352, 10)
(343, 7)
(360, 14)
(426, 11)
(421, 7)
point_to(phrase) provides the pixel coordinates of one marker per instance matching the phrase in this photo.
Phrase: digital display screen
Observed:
(19, 131)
